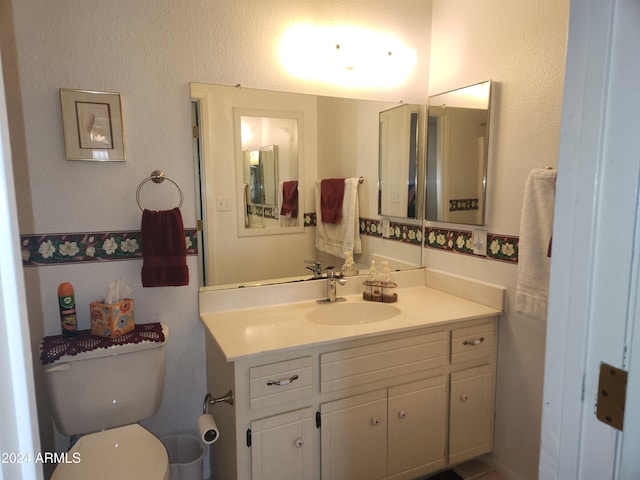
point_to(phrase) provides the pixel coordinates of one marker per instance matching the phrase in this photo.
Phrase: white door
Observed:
(20, 440)
(596, 245)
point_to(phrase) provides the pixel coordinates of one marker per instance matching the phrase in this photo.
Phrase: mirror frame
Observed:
(431, 182)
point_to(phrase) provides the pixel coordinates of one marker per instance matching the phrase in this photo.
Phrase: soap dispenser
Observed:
(385, 277)
(373, 274)
(349, 268)
(389, 294)
(373, 290)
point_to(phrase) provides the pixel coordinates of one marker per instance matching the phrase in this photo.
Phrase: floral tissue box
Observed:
(112, 320)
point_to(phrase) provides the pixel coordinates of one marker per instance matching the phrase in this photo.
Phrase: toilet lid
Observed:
(128, 452)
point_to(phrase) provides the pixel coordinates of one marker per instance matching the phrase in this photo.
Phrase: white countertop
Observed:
(252, 331)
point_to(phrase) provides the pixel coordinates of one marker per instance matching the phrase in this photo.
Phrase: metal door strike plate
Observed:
(612, 393)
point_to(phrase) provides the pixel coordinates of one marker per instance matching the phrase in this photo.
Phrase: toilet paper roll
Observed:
(209, 432)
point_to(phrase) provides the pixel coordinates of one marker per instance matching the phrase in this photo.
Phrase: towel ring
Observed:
(158, 176)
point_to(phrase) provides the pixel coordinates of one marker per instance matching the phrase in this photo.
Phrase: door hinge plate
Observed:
(612, 394)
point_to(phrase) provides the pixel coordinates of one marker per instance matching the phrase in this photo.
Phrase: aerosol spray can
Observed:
(67, 304)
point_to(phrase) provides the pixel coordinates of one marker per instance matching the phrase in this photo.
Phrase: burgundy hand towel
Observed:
(164, 251)
(331, 197)
(290, 198)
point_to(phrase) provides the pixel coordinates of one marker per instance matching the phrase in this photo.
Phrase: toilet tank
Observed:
(107, 387)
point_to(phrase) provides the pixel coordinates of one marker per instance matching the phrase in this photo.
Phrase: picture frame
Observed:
(92, 125)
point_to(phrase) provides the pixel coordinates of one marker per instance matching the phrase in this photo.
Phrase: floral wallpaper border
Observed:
(310, 219)
(64, 248)
(262, 211)
(499, 247)
(401, 232)
(464, 204)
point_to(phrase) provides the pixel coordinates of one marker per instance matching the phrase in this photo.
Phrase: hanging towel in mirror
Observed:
(337, 238)
(536, 223)
(331, 198)
(164, 250)
(290, 198)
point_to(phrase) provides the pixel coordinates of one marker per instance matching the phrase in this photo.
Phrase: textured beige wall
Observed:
(520, 45)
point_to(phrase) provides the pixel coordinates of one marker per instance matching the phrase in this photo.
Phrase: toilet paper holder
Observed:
(210, 400)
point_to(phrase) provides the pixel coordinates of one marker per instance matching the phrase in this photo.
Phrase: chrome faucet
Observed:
(315, 267)
(332, 283)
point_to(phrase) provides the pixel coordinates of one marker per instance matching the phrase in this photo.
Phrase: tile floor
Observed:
(477, 470)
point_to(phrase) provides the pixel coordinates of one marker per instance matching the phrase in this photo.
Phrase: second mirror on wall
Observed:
(457, 155)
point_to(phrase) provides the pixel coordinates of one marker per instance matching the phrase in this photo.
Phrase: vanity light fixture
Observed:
(246, 133)
(346, 56)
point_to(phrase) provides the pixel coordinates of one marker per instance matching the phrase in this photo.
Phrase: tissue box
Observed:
(112, 319)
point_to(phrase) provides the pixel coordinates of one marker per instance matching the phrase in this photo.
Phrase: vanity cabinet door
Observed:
(472, 413)
(354, 437)
(282, 446)
(417, 428)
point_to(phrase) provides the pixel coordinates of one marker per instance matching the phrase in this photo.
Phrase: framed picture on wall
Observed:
(92, 125)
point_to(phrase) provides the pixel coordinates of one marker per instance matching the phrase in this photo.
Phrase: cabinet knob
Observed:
(402, 414)
(375, 421)
(474, 342)
(464, 398)
(299, 443)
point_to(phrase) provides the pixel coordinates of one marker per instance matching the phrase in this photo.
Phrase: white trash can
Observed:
(186, 456)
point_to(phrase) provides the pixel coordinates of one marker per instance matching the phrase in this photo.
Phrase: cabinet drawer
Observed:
(473, 343)
(357, 366)
(280, 382)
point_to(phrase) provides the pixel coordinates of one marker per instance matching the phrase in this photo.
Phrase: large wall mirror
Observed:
(457, 155)
(253, 140)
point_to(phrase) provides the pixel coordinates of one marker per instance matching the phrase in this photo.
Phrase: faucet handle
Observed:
(331, 273)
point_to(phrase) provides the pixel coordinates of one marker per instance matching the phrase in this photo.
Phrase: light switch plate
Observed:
(223, 204)
(479, 240)
(385, 224)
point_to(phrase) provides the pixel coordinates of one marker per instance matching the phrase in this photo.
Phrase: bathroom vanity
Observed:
(362, 396)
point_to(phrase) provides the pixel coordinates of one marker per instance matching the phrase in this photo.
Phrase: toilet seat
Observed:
(128, 452)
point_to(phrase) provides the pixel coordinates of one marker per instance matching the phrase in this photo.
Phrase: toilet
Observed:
(102, 394)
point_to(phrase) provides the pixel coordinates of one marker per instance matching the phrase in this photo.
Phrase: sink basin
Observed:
(352, 313)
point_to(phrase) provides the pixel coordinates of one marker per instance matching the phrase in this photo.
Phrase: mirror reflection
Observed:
(267, 188)
(457, 153)
(399, 152)
(333, 138)
(260, 183)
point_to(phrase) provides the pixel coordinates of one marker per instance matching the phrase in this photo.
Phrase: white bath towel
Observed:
(344, 236)
(532, 291)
